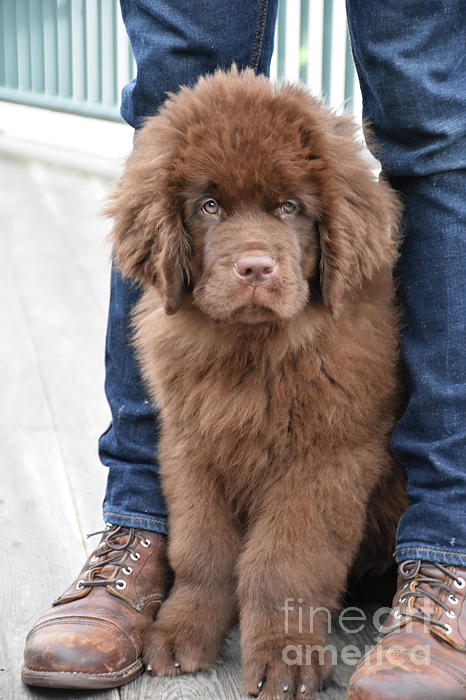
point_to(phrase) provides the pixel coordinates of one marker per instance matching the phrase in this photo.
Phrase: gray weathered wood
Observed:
(65, 323)
(41, 539)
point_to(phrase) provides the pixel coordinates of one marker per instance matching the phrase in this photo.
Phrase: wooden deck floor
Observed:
(53, 287)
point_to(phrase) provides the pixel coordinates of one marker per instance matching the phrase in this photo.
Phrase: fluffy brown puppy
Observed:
(267, 334)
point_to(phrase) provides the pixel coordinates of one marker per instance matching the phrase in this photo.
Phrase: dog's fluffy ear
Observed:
(149, 242)
(360, 220)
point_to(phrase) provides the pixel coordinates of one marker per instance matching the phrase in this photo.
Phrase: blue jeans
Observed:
(411, 66)
(412, 70)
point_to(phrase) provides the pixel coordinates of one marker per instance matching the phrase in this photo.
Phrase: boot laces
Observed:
(108, 558)
(422, 582)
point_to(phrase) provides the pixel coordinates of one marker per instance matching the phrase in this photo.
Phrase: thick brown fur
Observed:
(277, 401)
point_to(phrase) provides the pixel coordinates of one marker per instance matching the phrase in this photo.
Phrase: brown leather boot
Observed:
(92, 636)
(422, 651)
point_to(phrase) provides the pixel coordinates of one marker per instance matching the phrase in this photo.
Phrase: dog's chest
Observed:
(250, 415)
(249, 411)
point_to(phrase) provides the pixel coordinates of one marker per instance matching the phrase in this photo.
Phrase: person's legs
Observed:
(412, 68)
(129, 446)
(173, 43)
(430, 440)
(92, 637)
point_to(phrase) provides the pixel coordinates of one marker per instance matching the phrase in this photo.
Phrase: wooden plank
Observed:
(66, 325)
(75, 201)
(220, 683)
(42, 545)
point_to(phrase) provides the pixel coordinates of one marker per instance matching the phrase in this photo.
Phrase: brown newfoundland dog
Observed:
(267, 333)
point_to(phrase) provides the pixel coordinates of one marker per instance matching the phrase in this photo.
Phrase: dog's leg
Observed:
(292, 573)
(203, 550)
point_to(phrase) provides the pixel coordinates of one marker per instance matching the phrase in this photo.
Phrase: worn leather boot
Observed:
(92, 635)
(421, 654)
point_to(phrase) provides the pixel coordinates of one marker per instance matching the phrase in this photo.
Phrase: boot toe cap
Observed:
(79, 649)
(403, 683)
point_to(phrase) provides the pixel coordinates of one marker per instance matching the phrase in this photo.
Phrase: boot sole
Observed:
(75, 679)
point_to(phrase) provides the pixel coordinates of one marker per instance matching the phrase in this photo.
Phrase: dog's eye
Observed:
(210, 207)
(289, 208)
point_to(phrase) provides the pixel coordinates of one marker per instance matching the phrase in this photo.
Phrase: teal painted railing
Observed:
(74, 56)
(69, 55)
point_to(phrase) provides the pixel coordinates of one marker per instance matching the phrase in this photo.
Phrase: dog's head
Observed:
(251, 201)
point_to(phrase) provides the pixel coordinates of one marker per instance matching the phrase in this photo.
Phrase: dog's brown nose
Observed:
(255, 269)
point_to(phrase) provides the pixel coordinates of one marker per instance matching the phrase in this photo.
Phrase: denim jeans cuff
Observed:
(439, 556)
(138, 521)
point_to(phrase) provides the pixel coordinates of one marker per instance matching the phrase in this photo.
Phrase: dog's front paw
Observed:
(279, 669)
(186, 637)
(174, 648)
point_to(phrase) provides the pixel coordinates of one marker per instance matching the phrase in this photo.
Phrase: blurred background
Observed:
(62, 145)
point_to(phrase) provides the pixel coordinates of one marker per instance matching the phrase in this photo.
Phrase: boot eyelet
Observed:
(127, 570)
(80, 585)
(450, 614)
(453, 599)
(120, 584)
(134, 556)
(92, 559)
(145, 543)
(460, 583)
(447, 629)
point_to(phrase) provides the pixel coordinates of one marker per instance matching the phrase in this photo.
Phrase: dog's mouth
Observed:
(245, 307)
(253, 303)
(253, 312)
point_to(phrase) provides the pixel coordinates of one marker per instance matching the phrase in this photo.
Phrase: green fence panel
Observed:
(327, 48)
(37, 51)
(78, 50)
(10, 43)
